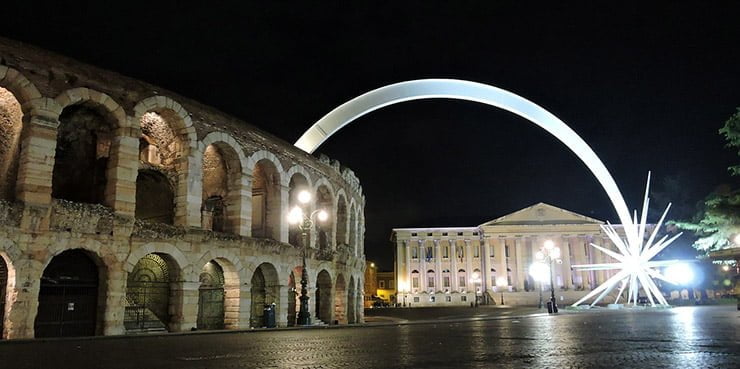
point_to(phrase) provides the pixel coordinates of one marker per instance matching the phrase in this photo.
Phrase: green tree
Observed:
(719, 222)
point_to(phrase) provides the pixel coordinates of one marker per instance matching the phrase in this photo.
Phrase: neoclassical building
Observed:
(436, 266)
(125, 208)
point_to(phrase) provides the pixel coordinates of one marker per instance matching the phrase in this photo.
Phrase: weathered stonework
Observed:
(252, 178)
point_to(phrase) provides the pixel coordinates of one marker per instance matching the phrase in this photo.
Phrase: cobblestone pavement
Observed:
(686, 337)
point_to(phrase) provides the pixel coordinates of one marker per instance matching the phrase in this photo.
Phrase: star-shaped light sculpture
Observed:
(633, 260)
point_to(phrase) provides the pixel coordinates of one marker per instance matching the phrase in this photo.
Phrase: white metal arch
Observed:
(476, 92)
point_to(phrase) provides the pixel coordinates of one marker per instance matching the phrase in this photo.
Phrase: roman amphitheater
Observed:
(125, 208)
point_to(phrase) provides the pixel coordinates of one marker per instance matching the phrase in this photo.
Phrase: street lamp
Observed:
(297, 216)
(548, 254)
(475, 280)
(540, 273)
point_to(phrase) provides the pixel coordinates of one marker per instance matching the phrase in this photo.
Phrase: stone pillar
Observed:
(453, 262)
(565, 256)
(469, 267)
(501, 256)
(115, 301)
(283, 222)
(183, 306)
(423, 263)
(521, 267)
(579, 254)
(36, 165)
(281, 306)
(232, 302)
(239, 205)
(123, 168)
(437, 267)
(407, 267)
(23, 299)
(245, 305)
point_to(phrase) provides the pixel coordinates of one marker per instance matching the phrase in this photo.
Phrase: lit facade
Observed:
(437, 266)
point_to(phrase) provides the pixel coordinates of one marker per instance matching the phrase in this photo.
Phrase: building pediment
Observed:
(542, 214)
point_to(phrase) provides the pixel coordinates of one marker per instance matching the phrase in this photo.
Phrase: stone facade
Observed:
(435, 266)
(179, 211)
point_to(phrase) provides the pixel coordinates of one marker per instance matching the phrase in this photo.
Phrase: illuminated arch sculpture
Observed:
(634, 260)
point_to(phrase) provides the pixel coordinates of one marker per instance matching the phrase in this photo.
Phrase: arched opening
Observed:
(155, 197)
(297, 184)
(324, 305)
(82, 160)
(340, 300)
(7, 279)
(211, 297)
(325, 201)
(11, 124)
(341, 221)
(265, 293)
(351, 299)
(70, 300)
(222, 174)
(293, 294)
(353, 229)
(266, 200)
(149, 301)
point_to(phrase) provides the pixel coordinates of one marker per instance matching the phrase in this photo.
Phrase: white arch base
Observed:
(635, 254)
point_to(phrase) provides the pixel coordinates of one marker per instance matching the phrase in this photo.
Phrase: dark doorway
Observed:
(68, 299)
(211, 297)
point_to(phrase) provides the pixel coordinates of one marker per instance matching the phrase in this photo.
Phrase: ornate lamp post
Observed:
(548, 254)
(305, 222)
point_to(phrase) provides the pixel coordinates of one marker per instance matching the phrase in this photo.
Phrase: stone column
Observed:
(23, 299)
(36, 165)
(115, 301)
(232, 306)
(437, 267)
(123, 168)
(453, 262)
(565, 256)
(423, 263)
(283, 222)
(240, 211)
(520, 264)
(183, 306)
(501, 256)
(281, 306)
(468, 265)
(245, 305)
(580, 258)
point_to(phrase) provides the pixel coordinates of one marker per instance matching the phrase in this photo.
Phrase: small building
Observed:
(386, 290)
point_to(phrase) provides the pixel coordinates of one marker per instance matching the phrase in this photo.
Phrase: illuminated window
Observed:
(461, 281)
(416, 299)
(446, 281)
(432, 299)
(476, 251)
(414, 252)
(381, 284)
(463, 298)
(415, 282)
(448, 298)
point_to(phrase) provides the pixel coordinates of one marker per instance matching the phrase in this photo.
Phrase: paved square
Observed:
(685, 337)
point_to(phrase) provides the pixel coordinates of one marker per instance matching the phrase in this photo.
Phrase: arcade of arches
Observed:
(126, 213)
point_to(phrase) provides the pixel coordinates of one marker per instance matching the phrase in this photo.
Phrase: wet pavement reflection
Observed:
(689, 337)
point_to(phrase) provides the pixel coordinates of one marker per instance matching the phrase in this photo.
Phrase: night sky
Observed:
(647, 88)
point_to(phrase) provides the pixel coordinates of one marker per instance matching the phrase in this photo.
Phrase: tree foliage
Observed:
(719, 222)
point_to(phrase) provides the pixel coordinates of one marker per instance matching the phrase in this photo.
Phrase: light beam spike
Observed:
(609, 252)
(643, 219)
(657, 227)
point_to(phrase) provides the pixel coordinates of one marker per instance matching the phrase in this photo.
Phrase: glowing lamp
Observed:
(539, 271)
(539, 255)
(679, 274)
(295, 215)
(323, 216)
(555, 253)
(304, 197)
(549, 244)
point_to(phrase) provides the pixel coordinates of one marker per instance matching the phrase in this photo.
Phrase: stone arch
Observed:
(185, 269)
(351, 300)
(267, 195)
(73, 281)
(168, 140)
(324, 307)
(91, 150)
(11, 126)
(265, 290)
(233, 275)
(154, 292)
(476, 92)
(294, 293)
(9, 256)
(324, 196)
(340, 300)
(298, 182)
(24, 90)
(342, 218)
(226, 205)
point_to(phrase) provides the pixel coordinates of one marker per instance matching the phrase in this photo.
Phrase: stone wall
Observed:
(133, 127)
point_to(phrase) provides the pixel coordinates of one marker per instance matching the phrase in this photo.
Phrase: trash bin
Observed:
(269, 316)
(549, 307)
